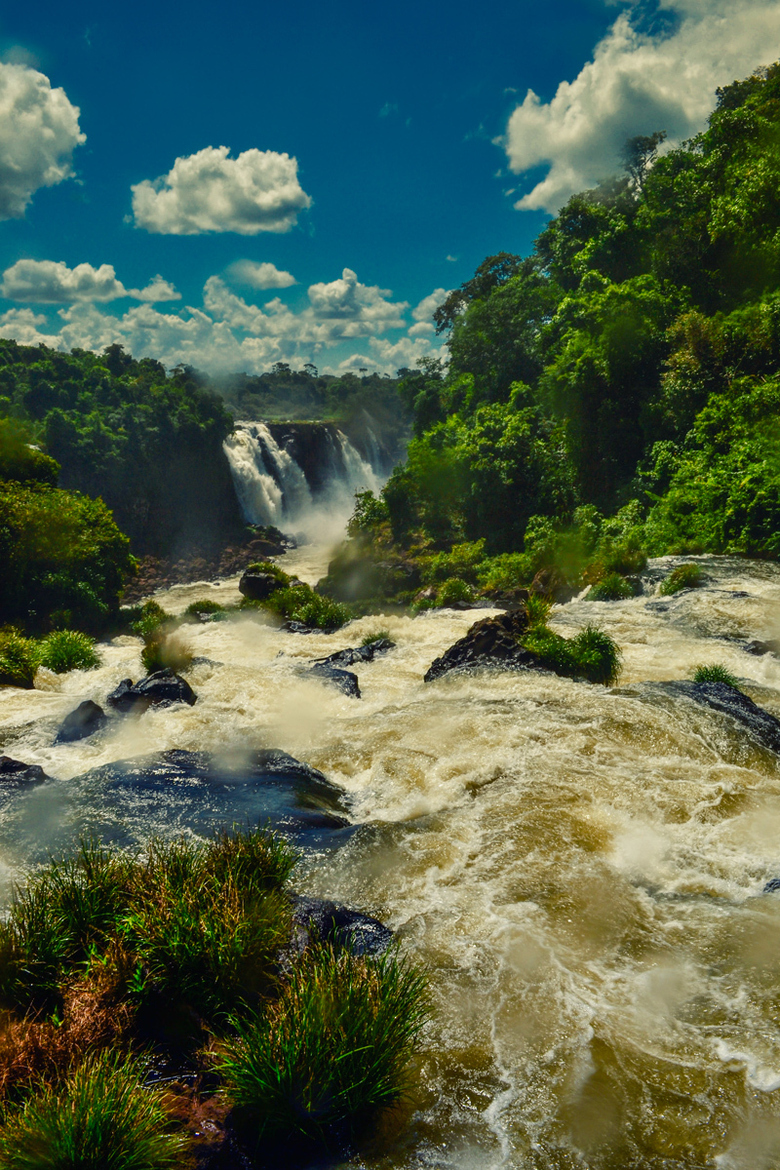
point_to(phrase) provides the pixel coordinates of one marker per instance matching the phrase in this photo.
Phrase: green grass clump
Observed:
(334, 1047)
(271, 568)
(66, 650)
(165, 652)
(147, 619)
(613, 587)
(683, 577)
(102, 1117)
(375, 636)
(195, 608)
(715, 673)
(300, 603)
(590, 654)
(18, 659)
(454, 589)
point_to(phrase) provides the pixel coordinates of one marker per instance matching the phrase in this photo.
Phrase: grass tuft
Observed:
(102, 1117)
(375, 636)
(715, 673)
(591, 654)
(206, 605)
(334, 1047)
(66, 650)
(165, 651)
(18, 659)
(613, 587)
(300, 603)
(687, 576)
(454, 589)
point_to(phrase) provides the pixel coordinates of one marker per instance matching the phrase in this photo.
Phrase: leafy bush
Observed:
(590, 654)
(18, 659)
(205, 606)
(66, 650)
(334, 1047)
(20, 459)
(104, 1117)
(683, 577)
(271, 568)
(146, 619)
(462, 561)
(163, 651)
(715, 673)
(300, 603)
(454, 589)
(505, 571)
(613, 587)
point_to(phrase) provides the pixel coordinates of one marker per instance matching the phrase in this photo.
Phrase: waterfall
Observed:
(273, 488)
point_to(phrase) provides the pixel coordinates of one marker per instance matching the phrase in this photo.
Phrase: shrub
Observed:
(66, 650)
(375, 636)
(206, 606)
(334, 1047)
(165, 652)
(102, 1118)
(299, 603)
(590, 654)
(715, 673)
(454, 589)
(271, 568)
(537, 608)
(613, 587)
(462, 561)
(505, 571)
(147, 618)
(18, 659)
(683, 577)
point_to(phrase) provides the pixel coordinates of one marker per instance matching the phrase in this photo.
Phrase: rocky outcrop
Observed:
(345, 680)
(88, 718)
(14, 774)
(492, 642)
(358, 654)
(763, 727)
(161, 689)
(317, 920)
(258, 586)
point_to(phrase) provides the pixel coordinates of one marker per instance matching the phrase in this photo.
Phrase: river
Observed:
(580, 868)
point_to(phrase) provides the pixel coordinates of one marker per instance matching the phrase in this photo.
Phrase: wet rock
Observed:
(258, 586)
(358, 654)
(765, 728)
(201, 793)
(88, 718)
(772, 886)
(551, 583)
(757, 647)
(345, 680)
(161, 689)
(14, 774)
(315, 919)
(492, 642)
(301, 628)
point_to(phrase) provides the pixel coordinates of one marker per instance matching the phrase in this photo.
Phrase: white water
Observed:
(272, 489)
(581, 868)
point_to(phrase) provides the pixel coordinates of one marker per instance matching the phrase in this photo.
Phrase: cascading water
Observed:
(273, 489)
(581, 868)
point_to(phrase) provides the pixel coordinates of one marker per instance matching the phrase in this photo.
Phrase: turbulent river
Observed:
(580, 868)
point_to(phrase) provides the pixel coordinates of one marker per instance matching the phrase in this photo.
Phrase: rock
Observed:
(14, 774)
(315, 919)
(257, 586)
(301, 628)
(201, 793)
(161, 689)
(358, 654)
(81, 723)
(765, 728)
(772, 886)
(550, 583)
(345, 680)
(757, 647)
(492, 642)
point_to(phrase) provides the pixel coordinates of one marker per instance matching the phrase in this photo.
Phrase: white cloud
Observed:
(51, 282)
(421, 329)
(428, 305)
(259, 275)
(210, 192)
(637, 84)
(354, 309)
(26, 327)
(39, 130)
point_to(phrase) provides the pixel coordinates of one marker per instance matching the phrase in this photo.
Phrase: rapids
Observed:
(580, 868)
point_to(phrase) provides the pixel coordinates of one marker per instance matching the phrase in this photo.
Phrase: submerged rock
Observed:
(316, 919)
(88, 718)
(757, 647)
(357, 654)
(492, 642)
(160, 689)
(15, 774)
(345, 680)
(765, 728)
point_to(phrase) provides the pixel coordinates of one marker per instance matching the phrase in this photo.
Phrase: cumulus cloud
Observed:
(51, 282)
(428, 305)
(209, 192)
(27, 327)
(638, 83)
(259, 275)
(359, 308)
(39, 130)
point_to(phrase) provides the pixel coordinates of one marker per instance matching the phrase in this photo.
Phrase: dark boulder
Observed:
(258, 586)
(772, 886)
(345, 680)
(301, 628)
(758, 647)
(764, 728)
(551, 583)
(161, 689)
(315, 919)
(357, 654)
(14, 774)
(81, 723)
(492, 642)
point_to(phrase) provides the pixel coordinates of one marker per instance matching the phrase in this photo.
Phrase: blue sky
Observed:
(376, 156)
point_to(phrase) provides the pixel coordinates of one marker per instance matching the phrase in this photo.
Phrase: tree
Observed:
(639, 154)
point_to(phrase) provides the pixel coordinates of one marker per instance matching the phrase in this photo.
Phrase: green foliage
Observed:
(103, 1117)
(613, 587)
(20, 459)
(590, 654)
(537, 609)
(369, 514)
(163, 651)
(454, 589)
(299, 603)
(333, 1048)
(66, 650)
(18, 659)
(715, 673)
(271, 568)
(206, 605)
(683, 577)
(380, 635)
(462, 561)
(65, 562)
(146, 619)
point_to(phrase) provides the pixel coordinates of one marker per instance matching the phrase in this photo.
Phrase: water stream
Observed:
(580, 868)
